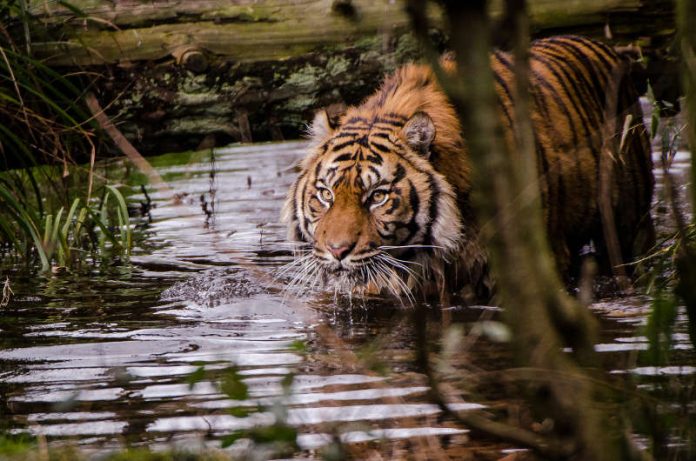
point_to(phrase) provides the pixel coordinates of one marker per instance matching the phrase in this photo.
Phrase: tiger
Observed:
(382, 202)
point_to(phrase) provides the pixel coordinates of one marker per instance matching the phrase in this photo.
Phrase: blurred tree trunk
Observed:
(180, 75)
(686, 256)
(543, 318)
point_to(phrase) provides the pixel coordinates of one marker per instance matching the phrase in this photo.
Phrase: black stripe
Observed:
(380, 147)
(592, 93)
(581, 46)
(604, 53)
(503, 58)
(396, 116)
(355, 120)
(383, 121)
(396, 201)
(317, 169)
(343, 158)
(399, 174)
(345, 134)
(541, 82)
(598, 83)
(343, 145)
(330, 173)
(572, 91)
(433, 210)
(363, 141)
(375, 158)
(414, 199)
(358, 182)
(506, 91)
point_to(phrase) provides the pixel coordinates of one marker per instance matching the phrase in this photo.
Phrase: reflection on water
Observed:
(107, 355)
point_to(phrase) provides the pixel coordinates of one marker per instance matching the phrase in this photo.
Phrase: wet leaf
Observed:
(241, 412)
(229, 440)
(274, 433)
(659, 329)
(196, 376)
(233, 386)
(298, 346)
(371, 356)
(286, 382)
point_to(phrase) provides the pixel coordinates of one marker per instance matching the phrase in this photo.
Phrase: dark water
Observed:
(103, 358)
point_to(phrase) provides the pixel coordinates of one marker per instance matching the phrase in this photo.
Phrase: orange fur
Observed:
(406, 140)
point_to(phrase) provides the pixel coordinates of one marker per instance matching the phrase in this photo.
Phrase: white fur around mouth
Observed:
(380, 273)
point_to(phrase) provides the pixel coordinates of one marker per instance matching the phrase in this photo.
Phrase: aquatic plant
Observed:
(62, 238)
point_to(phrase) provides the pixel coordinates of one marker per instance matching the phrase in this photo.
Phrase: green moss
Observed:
(197, 99)
(337, 65)
(196, 125)
(306, 78)
(242, 14)
(407, 48)
(370, 42)
(193, 83)
(301, 103)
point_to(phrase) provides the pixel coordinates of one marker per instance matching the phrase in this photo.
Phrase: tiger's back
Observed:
(576, 85)
(383, 198)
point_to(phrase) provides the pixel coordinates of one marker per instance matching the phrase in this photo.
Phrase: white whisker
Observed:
(396, 263)
(396, 247)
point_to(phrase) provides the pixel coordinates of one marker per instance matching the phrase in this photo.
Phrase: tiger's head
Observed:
(369, 204)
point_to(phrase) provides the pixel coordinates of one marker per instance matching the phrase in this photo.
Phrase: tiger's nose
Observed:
(340, 250)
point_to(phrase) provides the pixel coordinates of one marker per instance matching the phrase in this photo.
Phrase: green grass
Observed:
(52, 235)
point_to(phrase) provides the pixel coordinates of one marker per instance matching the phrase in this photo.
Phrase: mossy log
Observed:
(179, 74)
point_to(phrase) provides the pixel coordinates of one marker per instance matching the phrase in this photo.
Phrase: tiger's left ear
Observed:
(419, 132)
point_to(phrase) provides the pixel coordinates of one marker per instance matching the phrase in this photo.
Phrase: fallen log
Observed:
(180, 75)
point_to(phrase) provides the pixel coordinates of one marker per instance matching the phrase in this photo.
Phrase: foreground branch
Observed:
(542, 317)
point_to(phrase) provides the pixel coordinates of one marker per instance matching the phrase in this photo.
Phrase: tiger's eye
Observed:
(325, 195)
(378, 197)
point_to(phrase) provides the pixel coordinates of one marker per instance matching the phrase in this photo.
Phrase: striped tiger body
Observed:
(383, 198)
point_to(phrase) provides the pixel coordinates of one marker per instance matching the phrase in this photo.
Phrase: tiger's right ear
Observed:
(326, 121)
(324, 124)
(322, 127)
